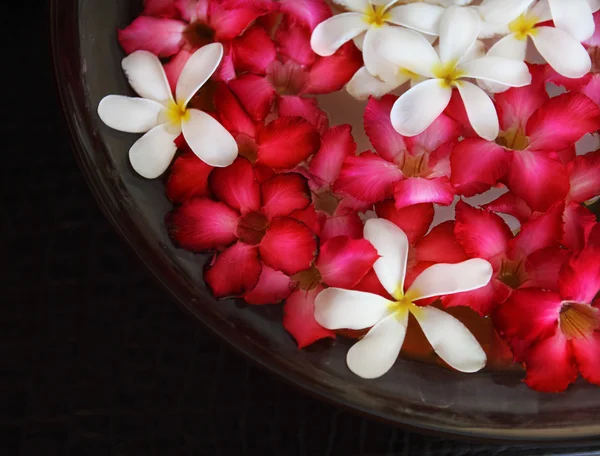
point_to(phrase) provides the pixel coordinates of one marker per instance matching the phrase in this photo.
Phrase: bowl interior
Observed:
(488, 404)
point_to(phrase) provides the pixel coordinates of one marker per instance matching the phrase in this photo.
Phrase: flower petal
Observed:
(374, 62)
(483, 300)
(336, 145)
(236, 186)
(299, 318)
(345, 224)
(563, 52)
(208, 139)
(443, 279)
(292, 237)
(543, 267)
(336, 308)
(417, 190)
(451, 339)
(509, 72)
(376, 353)
(509, 47)
(480, 110)
(146, 76)
(330, 74)
(307, 108)
(253, 51)
(363, 84)
(286, 142)
(329, 35)
(388, 143)
(550, 366)
(174, 67)
(343, 262)
(272, 287)
(545, 230)
(293, 42)
(587, 355)
(283, 194)
(188, 178)
(197, 70)
(579, 222)
(440, 245)
(151, 155)
(159, 8)
(309, 13)
(225, 281)
(584, 177)
(256, 94)
(422, 17)
(574, 17)
(414, 220)
(392, 246)
(231, 114)
(510, 204)
(440, 133)
(504, 11)
(418, 107)
(131, 115)
(231, 20)
(480, 161)
(201, 224)
(162, 37)
(459, 29)
(580, 276)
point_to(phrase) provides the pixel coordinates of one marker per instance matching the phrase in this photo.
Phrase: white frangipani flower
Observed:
(376, 353)
(574, 16)
(558, 47)
(446, 70)
(163, 118)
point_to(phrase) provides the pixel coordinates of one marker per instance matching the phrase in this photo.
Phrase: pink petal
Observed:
(174, 67)
(584, 177)
(416, 190)
(231, 114)
(367, 177)
(307, 108)
(299, 319)
(538, 179)
(330, 74)
(478, 160)
(343, 262)
(193, 10)
(371, 284)
(287, 77)
(253, 51)
(545, 230)
(336, 145)
(592, 88)
(580, 276)
(226, 71)
(310, 218)
(566, 155)
(201, 224)
(385, 139)
(594, 238)
(587, 355)
(579, 222)
(483, 300)
(440, 246)
(162, 37)
(456, 111)
(443, 130)
(550, 365)
(236, 186)
(288, 246)
(594, 40)
(286, 142)
(226, 281)
(309, 13)
(481, 233)
(509, 203)
(230, 22)
(255, 93)
(413, 220)
(160, 8)
(293, 42)
(568, 83)
(344, 224)
(188, 178)
(562, 121)
(272, 287)
(283, 194)
(543, 267)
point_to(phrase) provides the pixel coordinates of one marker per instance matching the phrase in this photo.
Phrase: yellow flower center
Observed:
(177, 113)
(448, 74)
(376, 15)
(403, 304)
(578, 321)
(513, 138)
(524, 26)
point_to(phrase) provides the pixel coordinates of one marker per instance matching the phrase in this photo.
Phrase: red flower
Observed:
(253, 221)
(557, 333)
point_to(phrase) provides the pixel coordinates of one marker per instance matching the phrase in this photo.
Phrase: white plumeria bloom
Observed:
(558, 47)
(365, 19)
(446, 70)
(376, 353)
(162, 118)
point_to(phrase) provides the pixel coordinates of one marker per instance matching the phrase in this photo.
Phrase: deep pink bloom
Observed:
(188, 178)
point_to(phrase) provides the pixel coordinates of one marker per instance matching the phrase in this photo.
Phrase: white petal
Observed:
(336, 308)
(506, 71)
(480, 110)
(418, 107)
(376, 353)
(132, 115)
(476, 52)
(509, 47)
(209, 140)
(541, 10)
(374, 62)
(359, 41)
(594, 5)
(392, 246)
(563, 52)
(451, 339)
(197, 70)
(574, 17)
(407, 49)
(443, 279)
(147, 77)
(363, 85)
(329, 35)
(459, 29)
(503, 11)
(417, 16)
(360, 6)
(151, 155)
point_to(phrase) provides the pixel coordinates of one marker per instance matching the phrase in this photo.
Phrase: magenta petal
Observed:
(226, 70)
(288, 246)
(440, 246)
(255, 93)
(543, 268)
(231, 114)
(299, 319)
(592, 88)
(188, 178)
(584, 177)
(231, 20)
(162, 37)
(253, 51)
(343, 261)
(443, 130)
(347, 223)
(309, 13)
(307, 108)
(160, 8)
(478, 160)
(579, 222)
(587, 354)
(226, 281)
(330, 74)
(414, 220)
(367, 177)
(193, 10)
(545, 230)
(237, 186)
(580, 276)
(201, 224)
(509, 203)
(174, 67)
(416, 190)
(272, 287)
(283, 194)
(385, 139)
(336, 145)
(550, 365)
(293, 42)
(483, 300)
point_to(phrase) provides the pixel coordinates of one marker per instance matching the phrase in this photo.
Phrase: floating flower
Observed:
(416, 109)
(163, 118)
(374, 355)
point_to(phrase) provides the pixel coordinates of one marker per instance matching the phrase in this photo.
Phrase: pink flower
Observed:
(413, 170)
(556, 333)
(250, 222)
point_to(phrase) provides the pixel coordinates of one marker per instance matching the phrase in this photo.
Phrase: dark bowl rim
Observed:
(64, 43)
